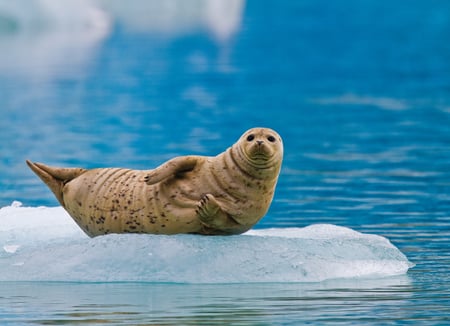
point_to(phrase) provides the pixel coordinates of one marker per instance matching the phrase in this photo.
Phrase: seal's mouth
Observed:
(259, 158)
(259, 152)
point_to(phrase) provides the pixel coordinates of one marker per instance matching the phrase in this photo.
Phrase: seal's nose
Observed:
(259, 142)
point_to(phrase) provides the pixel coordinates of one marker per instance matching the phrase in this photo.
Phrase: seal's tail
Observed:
(55, 177)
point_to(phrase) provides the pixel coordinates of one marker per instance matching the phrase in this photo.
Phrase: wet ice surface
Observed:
(44, 244)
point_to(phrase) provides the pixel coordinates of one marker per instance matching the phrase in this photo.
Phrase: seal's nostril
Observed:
(259, 142)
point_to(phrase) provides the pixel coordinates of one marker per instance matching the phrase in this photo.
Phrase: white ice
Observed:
(44, 244)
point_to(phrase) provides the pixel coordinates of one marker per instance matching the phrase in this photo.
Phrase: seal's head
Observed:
(261, 149)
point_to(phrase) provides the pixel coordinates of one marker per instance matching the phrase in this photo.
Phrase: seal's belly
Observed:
(116, 200)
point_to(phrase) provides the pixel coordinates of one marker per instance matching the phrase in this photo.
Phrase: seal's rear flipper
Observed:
(54, 177)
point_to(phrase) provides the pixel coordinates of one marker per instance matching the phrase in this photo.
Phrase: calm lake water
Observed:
(359, 91)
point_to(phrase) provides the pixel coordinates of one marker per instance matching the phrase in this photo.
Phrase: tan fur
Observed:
(225, 194)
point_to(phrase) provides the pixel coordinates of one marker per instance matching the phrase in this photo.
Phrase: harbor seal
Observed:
(221, 195)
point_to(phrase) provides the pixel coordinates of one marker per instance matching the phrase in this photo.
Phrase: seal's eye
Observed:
(271, 139)
(250, 137)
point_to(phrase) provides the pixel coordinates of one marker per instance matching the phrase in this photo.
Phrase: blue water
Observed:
(359, 91)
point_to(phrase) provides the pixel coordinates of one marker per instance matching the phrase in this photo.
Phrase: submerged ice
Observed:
(44, 244)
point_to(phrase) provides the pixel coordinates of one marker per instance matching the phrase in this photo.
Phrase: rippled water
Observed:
(359, 91)
(232, 304)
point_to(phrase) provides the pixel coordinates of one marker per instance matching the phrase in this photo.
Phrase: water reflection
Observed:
(178, 17)
(48, 38)
(352, 99)
(262, 304)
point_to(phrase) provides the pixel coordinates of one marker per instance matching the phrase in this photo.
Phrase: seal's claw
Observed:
(150, 179)
(204, 199)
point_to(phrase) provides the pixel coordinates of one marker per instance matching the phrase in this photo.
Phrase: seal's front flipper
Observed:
(208, 208)
(214, 218)
(174, 167)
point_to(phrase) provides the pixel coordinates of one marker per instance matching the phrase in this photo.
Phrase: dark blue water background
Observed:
(359, 91)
